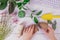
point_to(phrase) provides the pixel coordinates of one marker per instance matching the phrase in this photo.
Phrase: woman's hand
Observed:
(27, 33)
(50, 33)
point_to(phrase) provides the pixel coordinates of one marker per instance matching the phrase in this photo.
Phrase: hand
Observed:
(50, 33)
(27, 33)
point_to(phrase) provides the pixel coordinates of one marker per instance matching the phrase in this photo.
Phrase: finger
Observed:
(32, 29)
(49, 28)
(36, 29)
(29, 28)
(24, 30)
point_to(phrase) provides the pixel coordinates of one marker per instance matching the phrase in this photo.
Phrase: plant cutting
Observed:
(43, 25)
(21, 5)
(52, 23)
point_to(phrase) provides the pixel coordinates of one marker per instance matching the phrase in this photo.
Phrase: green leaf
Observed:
(49, 21)
(25, 2)
(21, 14)
(12, 6)
(31, 15)
(3, 1)
(54, 25)
(35, 20)
(24, 8)
(19, 4)
(12, 0)
(17, 0)
(33, 10)
(3, 4)
(39, 12)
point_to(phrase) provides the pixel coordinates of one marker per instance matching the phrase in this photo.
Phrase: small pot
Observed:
(43, 25)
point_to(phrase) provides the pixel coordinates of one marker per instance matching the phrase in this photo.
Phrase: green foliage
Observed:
(49, 21)
(21, 14)
(54, 25)
(31, 15)
(12, 5)
(25, 8)
(39, 13)
(19, 4)
(25, 2)
(35, 20)
(33, 10)
(3, 4)
(3, 1)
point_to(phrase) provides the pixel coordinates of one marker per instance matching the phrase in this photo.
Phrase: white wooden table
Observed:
(45, 5)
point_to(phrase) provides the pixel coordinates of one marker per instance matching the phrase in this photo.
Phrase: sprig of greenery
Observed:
(53, 24)
(21, 5)
(39, 13)
(35, 18)
(49, 21)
